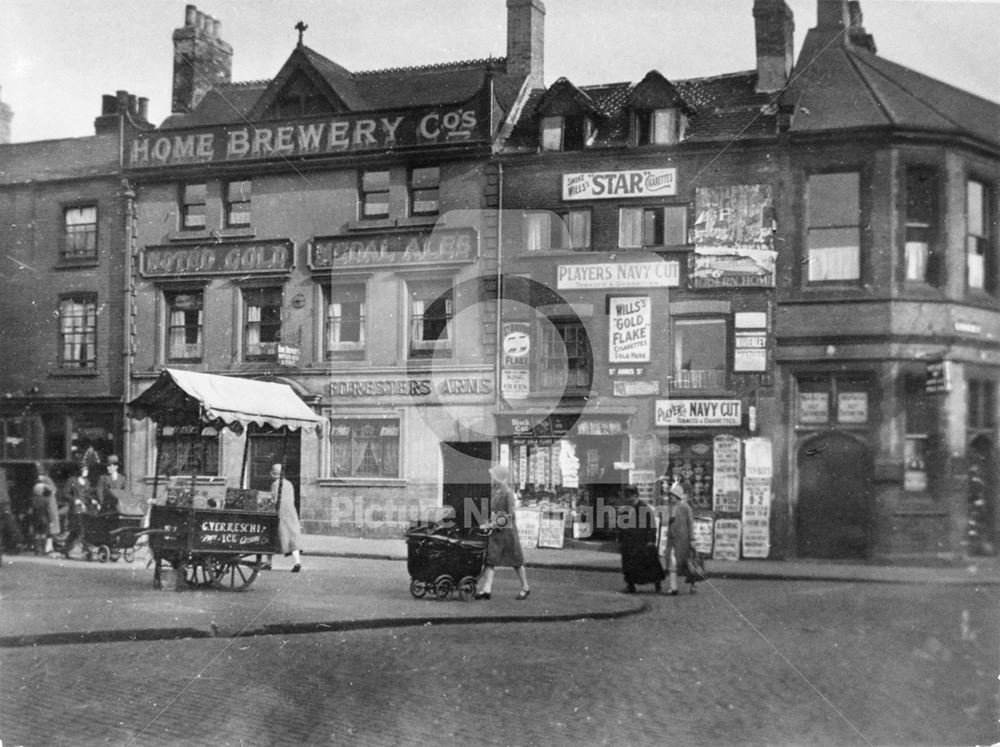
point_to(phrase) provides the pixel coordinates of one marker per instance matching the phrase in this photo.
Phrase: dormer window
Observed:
(566, 133)
(658, 126)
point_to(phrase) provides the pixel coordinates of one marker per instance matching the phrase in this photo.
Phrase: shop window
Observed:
(364, 448)
(692, 463)
(566, 132)
(185, 320)
(374, 194)
(645, 227)
(430, 319)
(78, 332)
(545, 230)
(699, 354)
(921, 258)
(658, 126)
(194, 206)
(238, 203)
(833, 213)
(425, 184)
(982, 405)
(262, 326)
(919, 414)
(345, 318)
(79, 233)
(565, 358)
(17, 440)
(980, 262)
(188, 450)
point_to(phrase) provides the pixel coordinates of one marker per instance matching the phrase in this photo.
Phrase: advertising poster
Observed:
(756, 517)
(527, 526)
(698, 412)
(629, 329)
(703, 535)
(758, 458)
(551, 529)
(514, 378)
(727, 539)
(726, 475)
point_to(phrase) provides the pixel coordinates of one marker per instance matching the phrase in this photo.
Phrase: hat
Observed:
(112, 459)
(500, 472)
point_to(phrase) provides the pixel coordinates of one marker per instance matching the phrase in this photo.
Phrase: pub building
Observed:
(780, 285)
(325, 228)
(646, 228)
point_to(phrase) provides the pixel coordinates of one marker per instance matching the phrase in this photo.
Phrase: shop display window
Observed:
(690, 462)
(188, 450)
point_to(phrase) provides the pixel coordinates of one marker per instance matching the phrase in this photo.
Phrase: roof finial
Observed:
(301, 27)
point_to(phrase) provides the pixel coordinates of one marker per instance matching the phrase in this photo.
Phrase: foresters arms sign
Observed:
(411, 248)
(315, 137)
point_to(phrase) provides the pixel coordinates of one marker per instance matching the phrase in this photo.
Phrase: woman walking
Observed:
(504, 546)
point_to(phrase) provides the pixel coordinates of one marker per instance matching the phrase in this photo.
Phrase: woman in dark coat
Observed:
(504, 546)
(637, 542)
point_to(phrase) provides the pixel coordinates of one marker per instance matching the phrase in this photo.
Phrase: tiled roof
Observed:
(68, 158)
(836, 85)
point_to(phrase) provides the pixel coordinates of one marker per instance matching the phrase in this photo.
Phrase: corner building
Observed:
(333, 230)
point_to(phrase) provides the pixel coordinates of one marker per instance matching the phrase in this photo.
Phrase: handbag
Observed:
(695, 567)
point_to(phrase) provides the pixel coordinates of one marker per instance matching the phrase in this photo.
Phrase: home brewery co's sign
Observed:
(315, 136)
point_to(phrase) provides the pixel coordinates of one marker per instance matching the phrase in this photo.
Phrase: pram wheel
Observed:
(466, 588)
(103, 554)
(418, 588)
(129, 554)
(443, 586)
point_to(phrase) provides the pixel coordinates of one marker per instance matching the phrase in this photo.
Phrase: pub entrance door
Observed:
(269, 446)
(834, 507)
(466, 488)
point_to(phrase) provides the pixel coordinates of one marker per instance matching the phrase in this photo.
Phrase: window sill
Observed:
(370, 224)
(242, 232)
(76, 264)
(76, 373)
(362, 482)
(413, 221)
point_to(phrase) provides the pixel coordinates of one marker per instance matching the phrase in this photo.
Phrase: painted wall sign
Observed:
(731, 267)
(347, 133)
(689, 412)
(661, 274)
(410, 248)
(636, 388)
(733, 237)
(441, 386)
(245, 257)
(606, 185)
(629, 329)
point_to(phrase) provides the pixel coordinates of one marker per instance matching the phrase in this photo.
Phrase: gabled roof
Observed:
(837, 85)
(373, 90)
(654, 92)
(564, 99)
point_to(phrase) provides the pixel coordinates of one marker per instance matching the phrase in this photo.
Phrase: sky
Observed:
(58, 57)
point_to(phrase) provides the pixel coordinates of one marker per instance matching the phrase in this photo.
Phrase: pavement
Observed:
(352, 583)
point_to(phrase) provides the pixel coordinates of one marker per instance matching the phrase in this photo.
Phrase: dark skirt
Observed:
(504, 549)
(641, 565)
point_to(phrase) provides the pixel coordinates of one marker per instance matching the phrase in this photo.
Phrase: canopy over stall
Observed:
(181, 398)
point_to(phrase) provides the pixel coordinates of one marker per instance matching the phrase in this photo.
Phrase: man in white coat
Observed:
(289, 529)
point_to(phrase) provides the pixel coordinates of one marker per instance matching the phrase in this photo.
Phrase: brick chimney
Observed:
(774, 27)
(526, 40)
(201, 59)
(6, 115)
(856, 33)
(832, 15)
(121, 104)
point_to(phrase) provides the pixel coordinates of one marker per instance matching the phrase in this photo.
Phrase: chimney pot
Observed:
(109, 104)
(832, 15)
(774, 29)
(144, 108)
(190, 15)
(216, 27)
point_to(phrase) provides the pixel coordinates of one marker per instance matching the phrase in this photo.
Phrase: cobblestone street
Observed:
(741, 662)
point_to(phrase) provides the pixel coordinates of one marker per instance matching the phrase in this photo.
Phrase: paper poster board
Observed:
(727, 539)
(726, 474)
(756, 517)
(527, 526)
(551, 529)
(758, 458)
(703, 535)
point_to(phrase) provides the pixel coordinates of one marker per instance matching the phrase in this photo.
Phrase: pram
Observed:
(441, 561)
(105, 537)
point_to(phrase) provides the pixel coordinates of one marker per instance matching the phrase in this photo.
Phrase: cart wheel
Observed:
(129, 554)
(466, 588)
(236, 574)
(418, 588)
(443, 586)
(88, 553)
(103, 554)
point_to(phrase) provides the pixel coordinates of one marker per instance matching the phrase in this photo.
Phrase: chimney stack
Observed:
(774, 27)
(526, 40)
(856, 34)
(202, 59)
(114, 108)
(832, 15)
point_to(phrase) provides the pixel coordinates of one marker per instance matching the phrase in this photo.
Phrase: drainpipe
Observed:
(499, 343)
(128, 193)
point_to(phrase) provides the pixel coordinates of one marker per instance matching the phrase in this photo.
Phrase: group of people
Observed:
(645, 559)
(55, 512)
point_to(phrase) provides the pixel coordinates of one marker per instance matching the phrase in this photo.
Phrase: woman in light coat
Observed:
(289, 529)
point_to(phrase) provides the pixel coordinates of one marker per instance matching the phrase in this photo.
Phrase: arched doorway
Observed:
(834, 507)
(983, 486)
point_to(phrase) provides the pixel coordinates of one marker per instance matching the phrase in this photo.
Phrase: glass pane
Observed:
(630, 228)
(195, 193)
(699, 351)
(834, 254)
(579, 229)
(375, 181)
(552, 133)
(977, 219)
(663, 126)
(536, 231)
(675, 225)
(834, 200)
(239, 191)
(425, 178)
